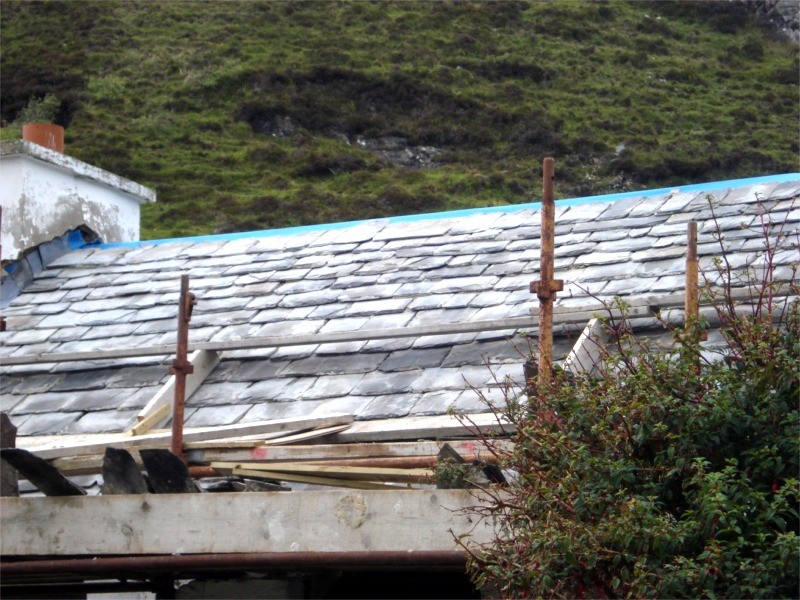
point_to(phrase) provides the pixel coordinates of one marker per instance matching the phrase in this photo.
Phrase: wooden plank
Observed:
(162, 439)
(146, 423)
(415, 428)
(340, 451)
(157, 409)
(320, 521)
(313, 479)
(340, 472)
(587, 352)
(249, 441)
(305, 435)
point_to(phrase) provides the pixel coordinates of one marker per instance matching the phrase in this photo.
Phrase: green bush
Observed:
(669, 474)
(40, 110)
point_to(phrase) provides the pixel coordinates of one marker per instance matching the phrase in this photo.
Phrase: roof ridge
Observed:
(467, 212)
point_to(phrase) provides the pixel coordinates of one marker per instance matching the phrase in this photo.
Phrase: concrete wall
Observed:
(45, 194)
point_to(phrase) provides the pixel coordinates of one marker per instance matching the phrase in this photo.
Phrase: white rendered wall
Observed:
(45, 194)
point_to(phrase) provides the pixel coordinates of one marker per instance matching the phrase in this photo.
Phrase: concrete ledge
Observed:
(141, 194)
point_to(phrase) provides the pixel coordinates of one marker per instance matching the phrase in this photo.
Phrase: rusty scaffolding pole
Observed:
(181, 367)
(547, 287)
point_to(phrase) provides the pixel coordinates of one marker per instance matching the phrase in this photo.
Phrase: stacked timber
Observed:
(276, 455)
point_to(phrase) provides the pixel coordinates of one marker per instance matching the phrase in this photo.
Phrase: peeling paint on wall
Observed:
(45, 195)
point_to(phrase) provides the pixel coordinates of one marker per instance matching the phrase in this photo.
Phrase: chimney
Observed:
(48, 135)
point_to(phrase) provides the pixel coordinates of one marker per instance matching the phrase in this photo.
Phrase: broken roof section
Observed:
(379, 319)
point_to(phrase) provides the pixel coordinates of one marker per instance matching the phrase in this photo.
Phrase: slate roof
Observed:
(375, 275)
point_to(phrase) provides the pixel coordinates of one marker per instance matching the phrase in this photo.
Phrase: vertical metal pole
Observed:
(692, 302)
(2, 319)
(547, 287)
(181, 367)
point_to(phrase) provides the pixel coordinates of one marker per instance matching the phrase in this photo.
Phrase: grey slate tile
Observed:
(480, 353)
(677, 202)
(216, 394)
(669, 283)
(252, 370)
(628, 245)
(84, 380)
(580, 249)
(388, 345)
(50, 309)
(323, 296)
(437, 341)
(340, 348)
(64, 319)
(330, 311)
(273, 315)
(658, 253)
(620, 208)
(454, 285)
(31, 384)
(86, 401)
(102, 422)
(136, 398)
(369, 292)
(409, 360)
(347, 405)
(47, 424)
(600, 258)
(470, 401)
(269, 390)
(352, 281)
(333, 365)
(388, 407)
(48, 402)
(235, 332)
(787, 189)
(638, 285)
(286, 353)
(110, 331)
(582, 212)
(30, 336)
(412, 229)
(208, 416)
(290, 328)
(371, 308)
(135, 377)
(648, 206)
(425, 263)
(380, 267)
(612, 224)
(434, 403)
(9, 401)
(280, 410)
(332, 386)
(609, 235)
(440, 316)
(343, 324)
(727, 223)
(464, 300)
(106, 317)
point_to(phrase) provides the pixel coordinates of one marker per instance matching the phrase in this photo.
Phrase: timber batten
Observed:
(318, 521)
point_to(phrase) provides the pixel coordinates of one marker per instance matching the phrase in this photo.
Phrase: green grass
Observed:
(177, 96)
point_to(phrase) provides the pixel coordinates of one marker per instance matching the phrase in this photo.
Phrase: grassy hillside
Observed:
(247, 115)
